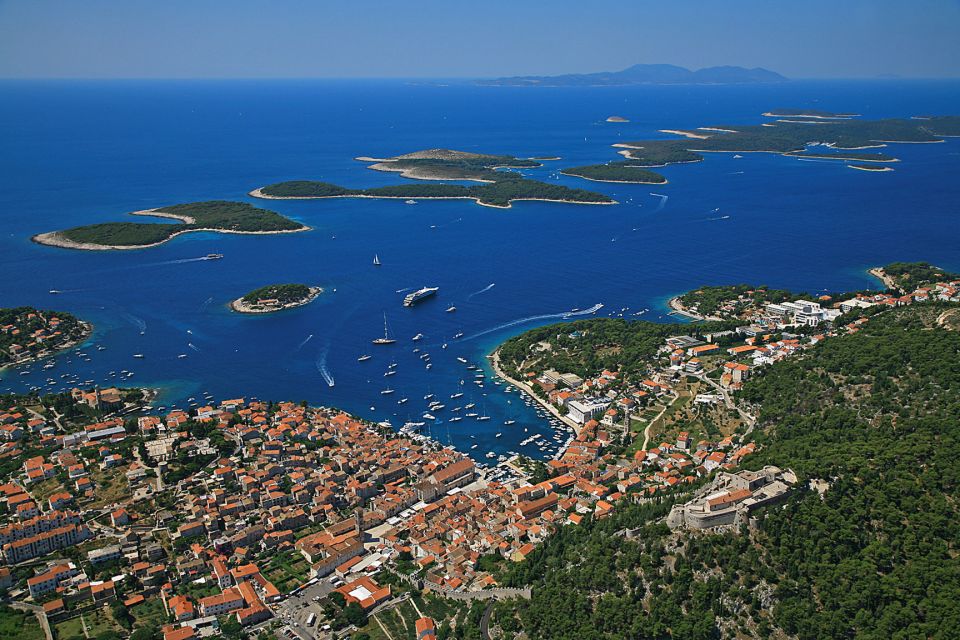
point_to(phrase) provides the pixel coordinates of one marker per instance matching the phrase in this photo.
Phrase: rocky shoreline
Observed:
(240, 306)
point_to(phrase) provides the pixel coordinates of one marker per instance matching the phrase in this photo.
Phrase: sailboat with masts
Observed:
(376, 259)
(386, 339)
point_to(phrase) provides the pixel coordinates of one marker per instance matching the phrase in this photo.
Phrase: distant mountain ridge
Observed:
(645, 74)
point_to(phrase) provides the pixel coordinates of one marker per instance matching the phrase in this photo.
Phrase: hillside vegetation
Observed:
(499, 188)
(872, 415)
(217, 215)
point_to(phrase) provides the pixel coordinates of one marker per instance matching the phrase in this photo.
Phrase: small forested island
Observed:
(498, 189)
(867, 167)
(844, 155)
(28, 334)
(214, 215)
(624, 171)
(276, 297)
(808, 113)
(791, 137)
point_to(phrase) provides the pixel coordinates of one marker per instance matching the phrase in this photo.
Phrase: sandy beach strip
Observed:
(677, 307)
(156, 213)
(833, 116)
(881, 275)
(685, 134)
(870, 169)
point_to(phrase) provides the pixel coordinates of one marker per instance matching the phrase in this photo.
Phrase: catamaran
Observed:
(386, 339)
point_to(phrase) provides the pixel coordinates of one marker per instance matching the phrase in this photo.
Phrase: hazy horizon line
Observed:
(465, 79)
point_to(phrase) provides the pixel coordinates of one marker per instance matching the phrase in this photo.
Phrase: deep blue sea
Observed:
(83, 152)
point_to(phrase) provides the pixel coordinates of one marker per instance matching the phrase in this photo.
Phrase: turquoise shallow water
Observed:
(82, 152)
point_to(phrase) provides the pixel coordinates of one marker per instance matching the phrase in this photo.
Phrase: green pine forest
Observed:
(873, 414)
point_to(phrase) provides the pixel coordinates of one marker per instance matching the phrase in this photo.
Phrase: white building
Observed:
(581, 411)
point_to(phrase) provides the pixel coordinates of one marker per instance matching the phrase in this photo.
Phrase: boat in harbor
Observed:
(386, 339)
(420, 294)
(386, 391)
(461, 360)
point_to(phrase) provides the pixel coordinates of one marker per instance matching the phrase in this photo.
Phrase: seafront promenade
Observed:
(524, 387)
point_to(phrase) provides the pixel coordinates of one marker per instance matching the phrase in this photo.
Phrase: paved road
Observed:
(485, 621)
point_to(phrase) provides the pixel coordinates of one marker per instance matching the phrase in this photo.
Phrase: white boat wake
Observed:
(321, 364)
(178, 261)
(484, 290)
(305, 341)
(548, 316)
(135, 321)
(663, 201)
(194, 347)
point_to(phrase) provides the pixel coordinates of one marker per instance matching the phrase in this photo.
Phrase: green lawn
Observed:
(98, 621)
(392, 621)
(374, 631)
(198, 590)
(287, 570)
(149, 612)
(19, 625)
(71, 628)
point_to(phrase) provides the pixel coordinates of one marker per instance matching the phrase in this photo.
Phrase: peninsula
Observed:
(792, 137)
(28, 334)
(823, 402)
(498, 188)
(276, 297)
(624, 171)
(214, 215)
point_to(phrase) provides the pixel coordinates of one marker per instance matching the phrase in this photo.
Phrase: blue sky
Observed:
(447, 38)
